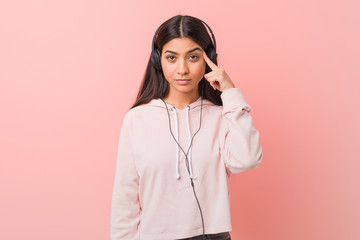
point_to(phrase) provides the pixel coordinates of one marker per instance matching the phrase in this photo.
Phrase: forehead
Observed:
(180, 45)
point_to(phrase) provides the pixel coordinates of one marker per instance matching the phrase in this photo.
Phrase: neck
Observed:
(180, 101)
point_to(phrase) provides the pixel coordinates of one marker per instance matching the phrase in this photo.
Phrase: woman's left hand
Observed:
(217, 78)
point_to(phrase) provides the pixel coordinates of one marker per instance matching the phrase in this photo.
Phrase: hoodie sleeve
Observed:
(125, 207)
(239, 140)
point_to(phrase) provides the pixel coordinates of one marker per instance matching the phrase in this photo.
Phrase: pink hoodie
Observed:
(152, 196)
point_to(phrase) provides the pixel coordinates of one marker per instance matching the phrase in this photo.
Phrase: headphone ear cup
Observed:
(156, 59)
(212, 54)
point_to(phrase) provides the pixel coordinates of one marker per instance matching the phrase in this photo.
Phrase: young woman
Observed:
(188, 130)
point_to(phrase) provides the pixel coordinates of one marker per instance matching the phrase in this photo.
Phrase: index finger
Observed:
(209, 62)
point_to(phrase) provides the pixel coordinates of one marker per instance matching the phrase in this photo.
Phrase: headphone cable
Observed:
(186, 154)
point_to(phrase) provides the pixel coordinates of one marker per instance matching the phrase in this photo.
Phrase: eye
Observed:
(170, 57)
(195, 57)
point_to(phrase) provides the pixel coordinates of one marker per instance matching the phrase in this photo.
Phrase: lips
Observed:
(183, 81)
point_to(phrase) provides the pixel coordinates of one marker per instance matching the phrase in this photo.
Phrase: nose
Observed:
(182, 67)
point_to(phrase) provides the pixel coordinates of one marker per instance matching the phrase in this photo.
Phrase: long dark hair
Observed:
(154, 84)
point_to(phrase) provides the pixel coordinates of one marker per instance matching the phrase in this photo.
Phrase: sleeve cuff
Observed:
(233, 98)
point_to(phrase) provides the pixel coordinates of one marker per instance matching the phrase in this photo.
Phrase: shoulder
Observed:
(136, 112)
(131, 114)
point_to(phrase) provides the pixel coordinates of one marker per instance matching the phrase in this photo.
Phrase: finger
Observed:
(209, 62)
(212, 75)
(213, 80)
(209, 74)
(215, 84)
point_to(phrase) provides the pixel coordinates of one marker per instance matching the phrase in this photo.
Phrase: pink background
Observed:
(70, 70)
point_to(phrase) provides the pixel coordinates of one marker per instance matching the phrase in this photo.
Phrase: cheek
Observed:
(167, 70)
(168, 67)
(199, 69)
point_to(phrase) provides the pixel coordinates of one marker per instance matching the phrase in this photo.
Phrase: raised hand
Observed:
(217, 78)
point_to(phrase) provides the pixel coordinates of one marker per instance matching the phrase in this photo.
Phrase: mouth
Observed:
(183, 81)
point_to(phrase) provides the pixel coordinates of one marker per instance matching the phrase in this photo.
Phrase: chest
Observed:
(158, 142)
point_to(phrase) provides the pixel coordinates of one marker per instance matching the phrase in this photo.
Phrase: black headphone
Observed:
(156, 55)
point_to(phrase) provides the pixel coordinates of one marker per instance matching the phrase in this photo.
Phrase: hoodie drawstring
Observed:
(177, 148)
(177, 139)
(189, 155)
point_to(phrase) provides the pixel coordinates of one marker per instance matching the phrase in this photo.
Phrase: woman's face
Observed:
(182, 58)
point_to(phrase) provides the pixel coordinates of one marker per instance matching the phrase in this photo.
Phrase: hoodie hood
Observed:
(189, 109)
(158, 102)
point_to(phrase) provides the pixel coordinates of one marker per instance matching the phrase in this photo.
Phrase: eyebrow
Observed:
(192, 50)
